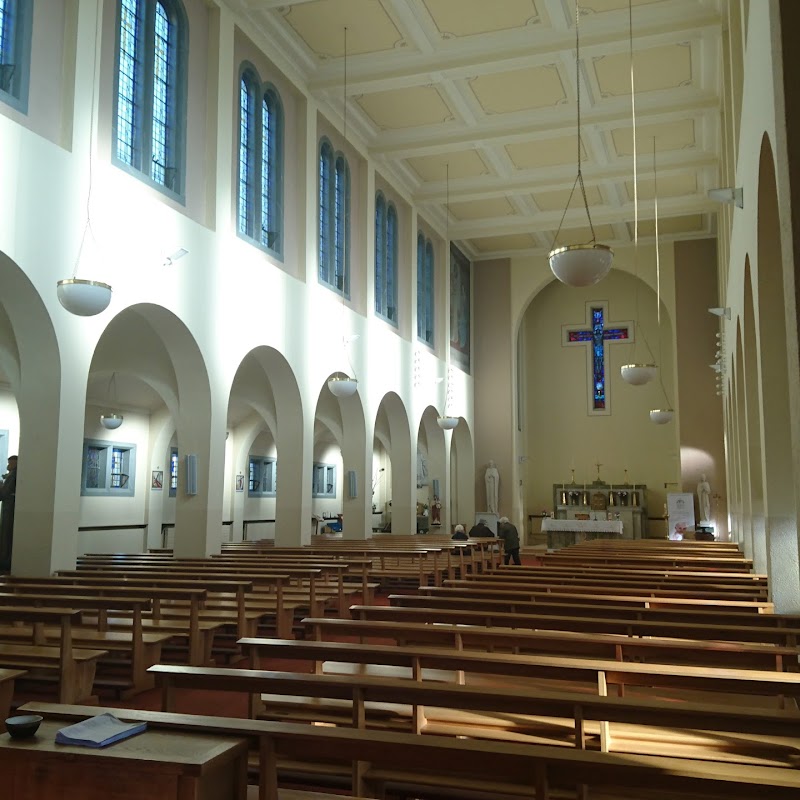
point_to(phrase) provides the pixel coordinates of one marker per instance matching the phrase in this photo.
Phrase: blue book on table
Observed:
(99, 731)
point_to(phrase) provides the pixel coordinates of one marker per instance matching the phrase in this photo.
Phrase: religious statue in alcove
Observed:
(436, 512)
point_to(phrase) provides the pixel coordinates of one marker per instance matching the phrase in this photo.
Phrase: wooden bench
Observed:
(600, 673)
(7, 678)
(650, 561)
(72, 668)
(491, 711)
(611, 585)
(198, 634)
(378, 761)
(603, 623)
(653, 649)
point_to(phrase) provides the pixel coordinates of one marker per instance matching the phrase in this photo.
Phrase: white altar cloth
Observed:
(582, 525)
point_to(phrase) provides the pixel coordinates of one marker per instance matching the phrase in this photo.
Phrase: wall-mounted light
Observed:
(720, 312)
(177, 255)
(729, 194)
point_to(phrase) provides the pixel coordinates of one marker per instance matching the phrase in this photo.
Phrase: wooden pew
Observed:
(7, 678)
(199, 634)
(73, 668)
(786, 637)
(384, 761)
(492, 709)
(601, 673)
(652, 649)
(651, 561)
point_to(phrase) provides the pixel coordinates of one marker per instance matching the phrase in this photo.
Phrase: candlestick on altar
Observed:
(572, 470)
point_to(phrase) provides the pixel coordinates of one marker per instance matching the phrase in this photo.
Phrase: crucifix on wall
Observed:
(596, 335)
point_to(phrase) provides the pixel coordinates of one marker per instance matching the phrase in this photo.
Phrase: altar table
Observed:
(565, 532)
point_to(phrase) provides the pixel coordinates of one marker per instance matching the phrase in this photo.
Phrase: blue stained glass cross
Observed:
(596, 337)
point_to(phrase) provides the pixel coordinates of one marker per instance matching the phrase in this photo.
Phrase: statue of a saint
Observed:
(704, 499)
(492, 479)
(436, 512)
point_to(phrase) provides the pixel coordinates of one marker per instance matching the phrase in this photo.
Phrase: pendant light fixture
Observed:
(341, 384)
(635, 374)
(579, 264)
(110, 419)
(660, 416)
(447, 422)
(80, 296)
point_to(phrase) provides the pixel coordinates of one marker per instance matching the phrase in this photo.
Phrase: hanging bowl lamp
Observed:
(111, 421)
(82, 297)
(588, 263)
(447, 423)
(661, 416)
(638, 374)
(342, 385)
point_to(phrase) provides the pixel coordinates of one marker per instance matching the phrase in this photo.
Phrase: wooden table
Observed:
(155, 765)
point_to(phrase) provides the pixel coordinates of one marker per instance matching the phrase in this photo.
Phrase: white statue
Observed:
(492, 478)
(704, 499)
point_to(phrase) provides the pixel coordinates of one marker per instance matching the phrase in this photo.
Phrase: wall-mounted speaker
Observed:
(352, 484)
(191, 474)
(436, 487)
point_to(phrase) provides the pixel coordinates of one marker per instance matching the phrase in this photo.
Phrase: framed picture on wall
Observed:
(157, 479)
(240, 483)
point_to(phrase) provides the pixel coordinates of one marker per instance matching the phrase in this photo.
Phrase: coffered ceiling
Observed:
(486, 89)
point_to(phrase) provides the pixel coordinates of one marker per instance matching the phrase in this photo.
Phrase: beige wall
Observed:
(559, 433)
(701, 417)
(492, 353)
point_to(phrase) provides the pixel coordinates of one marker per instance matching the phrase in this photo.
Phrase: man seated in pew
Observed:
(510, 537)
(481, 530)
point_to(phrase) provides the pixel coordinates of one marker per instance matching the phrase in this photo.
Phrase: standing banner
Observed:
(680, 508)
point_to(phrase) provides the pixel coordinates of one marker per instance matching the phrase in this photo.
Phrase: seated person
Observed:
(481, 530)
(460, 534)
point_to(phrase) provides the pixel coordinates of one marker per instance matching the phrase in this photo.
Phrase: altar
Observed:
(565, 532)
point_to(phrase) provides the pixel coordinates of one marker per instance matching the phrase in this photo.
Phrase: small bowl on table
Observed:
(23, 726)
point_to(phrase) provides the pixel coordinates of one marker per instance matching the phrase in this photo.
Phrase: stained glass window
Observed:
(334, 219)
(424, 289)
(385, 259)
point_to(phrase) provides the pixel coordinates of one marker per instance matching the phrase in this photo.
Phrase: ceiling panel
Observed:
(557, 201)
(668, 67)
(668, 186)
(321, 23)
(455, 18)
(519, 90)
(546, 152)
(461, 164)
(675, 135)
(479, 209)
(520, 241)
(406, 108)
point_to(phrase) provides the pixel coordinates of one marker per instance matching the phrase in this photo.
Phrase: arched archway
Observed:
(778, 468)
(434, 488)
(462, 475)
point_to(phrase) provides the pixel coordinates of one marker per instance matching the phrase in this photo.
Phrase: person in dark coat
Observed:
(510, 536)
(8, 496)
(481, 530)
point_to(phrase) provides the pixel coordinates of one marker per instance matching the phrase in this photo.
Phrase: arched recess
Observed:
(462, 475)
(745, 506)
(773, 332)
(435, 487)
(393, 431)
(340, 440)
(265, 420)
(38, 421)
(733, 471)
(163, 373)
(752, 437)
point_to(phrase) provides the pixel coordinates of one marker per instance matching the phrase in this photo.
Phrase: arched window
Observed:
(385, 259)
(334, 219)
(150, 101)
(15, 51)
(425, 290)
(260, 205)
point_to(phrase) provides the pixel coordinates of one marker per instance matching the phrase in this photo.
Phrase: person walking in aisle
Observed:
(510, 536)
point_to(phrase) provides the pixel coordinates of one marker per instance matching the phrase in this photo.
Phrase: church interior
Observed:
(439, 261)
